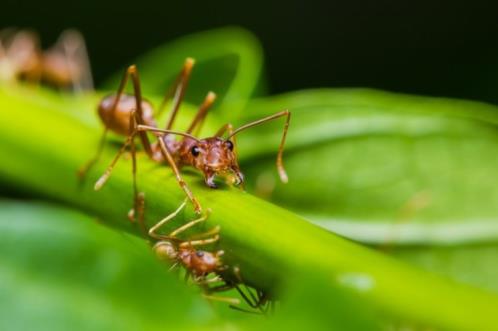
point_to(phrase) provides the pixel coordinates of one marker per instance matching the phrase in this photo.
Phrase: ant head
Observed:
(166, 251)
(214, 157)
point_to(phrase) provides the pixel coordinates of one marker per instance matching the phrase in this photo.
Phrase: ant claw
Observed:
(239, 178)
(210, 182)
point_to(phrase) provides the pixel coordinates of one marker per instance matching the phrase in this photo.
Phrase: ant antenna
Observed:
(280, 166)
(153, 129)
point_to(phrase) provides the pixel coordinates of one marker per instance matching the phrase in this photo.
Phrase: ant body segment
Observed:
(131, 116)
(63, 65)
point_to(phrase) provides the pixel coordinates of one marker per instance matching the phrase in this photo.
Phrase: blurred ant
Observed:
(64, 65)
(199, 264)
(131, 115)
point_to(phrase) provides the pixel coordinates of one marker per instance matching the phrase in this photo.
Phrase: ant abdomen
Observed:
(118, 119)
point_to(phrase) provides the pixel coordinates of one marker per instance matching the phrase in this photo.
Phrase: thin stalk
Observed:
(42, 144)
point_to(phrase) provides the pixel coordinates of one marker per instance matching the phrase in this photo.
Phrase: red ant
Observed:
(199, 264)
(63, 65)
(130, 115)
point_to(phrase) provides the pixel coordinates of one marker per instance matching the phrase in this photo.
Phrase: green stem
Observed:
(43, 142)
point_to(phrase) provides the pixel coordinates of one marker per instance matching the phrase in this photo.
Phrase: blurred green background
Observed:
(412, 177)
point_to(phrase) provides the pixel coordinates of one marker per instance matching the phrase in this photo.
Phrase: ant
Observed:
(63, 65)
(199, 264)
(131, 115)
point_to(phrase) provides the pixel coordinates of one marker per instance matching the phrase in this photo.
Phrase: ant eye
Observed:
(195, 151)
(230, 145)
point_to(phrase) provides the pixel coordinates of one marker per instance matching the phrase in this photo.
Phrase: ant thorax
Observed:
(199, 262)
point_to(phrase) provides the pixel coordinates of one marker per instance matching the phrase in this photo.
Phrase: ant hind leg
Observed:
(88, 165)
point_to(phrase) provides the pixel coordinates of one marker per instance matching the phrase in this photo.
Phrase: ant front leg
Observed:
(166, 154)
(179, 178)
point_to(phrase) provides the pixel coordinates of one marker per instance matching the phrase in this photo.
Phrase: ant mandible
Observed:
(63, 65)
(131, 115)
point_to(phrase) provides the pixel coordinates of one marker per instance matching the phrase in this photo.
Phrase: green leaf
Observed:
(229, 61)
(307, 303)
(380, 167)
(61, 270)
(267, 242)
(472, 264)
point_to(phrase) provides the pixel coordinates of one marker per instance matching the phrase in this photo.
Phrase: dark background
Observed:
(443, 48)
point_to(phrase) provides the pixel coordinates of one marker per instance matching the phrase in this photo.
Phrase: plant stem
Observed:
(43, 143)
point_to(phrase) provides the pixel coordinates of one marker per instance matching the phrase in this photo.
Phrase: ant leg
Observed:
(191, 224)
(214, 231)
(107, 173)
(187, 276)
(244, 310)
(152, 230)
(231, 301)
(280, 165)
(74, 49)
(173, 267)
(129, 140)
(87, 166)
(255, 303)
(167, 155)
(139, 208)
(204, 241)
(131, 213)
(178, 92)
(220, 288)
(138, 197)
(201, 113)
(225, 128)
(133, 72)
